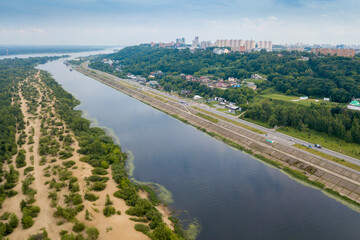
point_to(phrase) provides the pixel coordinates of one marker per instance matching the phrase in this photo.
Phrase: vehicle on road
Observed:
(310, 146)
(270, 141)
(317, 145)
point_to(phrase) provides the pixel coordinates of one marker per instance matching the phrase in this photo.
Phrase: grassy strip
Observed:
(299, 175)
(211, 119)
(230, 121)
(335, 144)
(156, 97)
(331, 158)
(337, 194)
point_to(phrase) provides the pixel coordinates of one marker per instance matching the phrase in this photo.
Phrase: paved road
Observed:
(270, 133)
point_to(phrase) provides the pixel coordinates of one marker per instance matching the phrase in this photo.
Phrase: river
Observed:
(231, 194)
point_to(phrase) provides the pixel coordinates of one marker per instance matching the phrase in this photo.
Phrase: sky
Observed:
(130, 22)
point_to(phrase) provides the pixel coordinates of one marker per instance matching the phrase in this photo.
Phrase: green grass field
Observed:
(335, 144)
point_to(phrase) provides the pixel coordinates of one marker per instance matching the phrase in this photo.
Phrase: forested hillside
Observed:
(326, 76)
(333, 77)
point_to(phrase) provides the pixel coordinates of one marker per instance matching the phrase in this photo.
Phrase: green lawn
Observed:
(335, 144)
(283, 97)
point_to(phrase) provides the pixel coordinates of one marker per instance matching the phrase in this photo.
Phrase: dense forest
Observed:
(335, 121)
(324, 76)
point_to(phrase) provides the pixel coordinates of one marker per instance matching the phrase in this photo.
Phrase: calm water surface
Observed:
(231, 194)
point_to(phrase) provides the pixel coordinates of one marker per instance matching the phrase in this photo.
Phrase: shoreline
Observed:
(342, 182)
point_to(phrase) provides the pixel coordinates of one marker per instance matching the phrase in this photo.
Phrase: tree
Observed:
(27, 221)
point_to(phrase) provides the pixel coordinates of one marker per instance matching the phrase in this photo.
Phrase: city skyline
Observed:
(124, 22)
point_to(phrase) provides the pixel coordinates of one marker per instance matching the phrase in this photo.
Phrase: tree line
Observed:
(335, 121)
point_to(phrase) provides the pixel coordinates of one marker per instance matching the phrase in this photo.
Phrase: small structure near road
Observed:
(232, 108)
(153, 84)
(197, 97)
(354, 104)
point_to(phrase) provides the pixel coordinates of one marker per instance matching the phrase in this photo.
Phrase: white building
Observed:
(250, 45)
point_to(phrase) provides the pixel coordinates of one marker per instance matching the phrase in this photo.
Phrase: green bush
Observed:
(67, 213)
(99, 171)
(108, 201)
(98, 186)
(74, 187)
(69, 163)
(27, 221)
(108, 211)
(78, 227)
(5, 216)
(14, 221)
(141, 208)
(91, 197)
(97, 178)
(28, 169)
(93, 233)
(73, 198)
(20, 159)
(142, 228)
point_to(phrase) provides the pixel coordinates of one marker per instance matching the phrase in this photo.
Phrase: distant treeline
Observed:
(326, 76)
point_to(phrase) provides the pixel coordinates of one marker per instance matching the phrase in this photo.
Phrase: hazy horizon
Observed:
(125, 22)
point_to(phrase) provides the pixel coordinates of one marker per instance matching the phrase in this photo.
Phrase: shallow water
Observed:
(232, 195)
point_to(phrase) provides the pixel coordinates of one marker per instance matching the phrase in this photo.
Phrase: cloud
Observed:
(133, 21)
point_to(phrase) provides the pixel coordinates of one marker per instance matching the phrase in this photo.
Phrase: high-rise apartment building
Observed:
(180, 40)
(230, 43)
(332, 52)
(239, 44)
(250, 45)
(206, 44)
(195, 42)
(267, 45)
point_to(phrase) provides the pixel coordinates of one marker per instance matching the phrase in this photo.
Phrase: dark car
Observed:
(317, 145)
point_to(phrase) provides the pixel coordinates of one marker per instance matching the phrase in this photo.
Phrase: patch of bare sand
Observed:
(113, 227)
